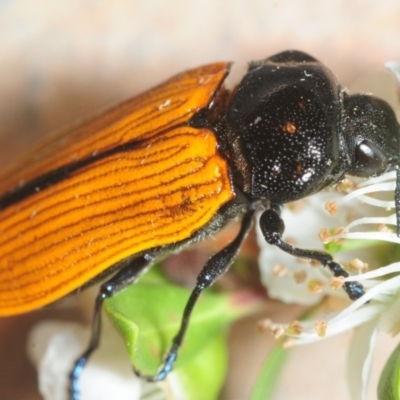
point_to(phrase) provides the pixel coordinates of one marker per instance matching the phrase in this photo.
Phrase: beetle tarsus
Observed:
(74, 388)
(354, 290)
(168, 363)
(165, 368)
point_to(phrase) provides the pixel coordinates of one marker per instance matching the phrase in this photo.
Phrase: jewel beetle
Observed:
(172, 166)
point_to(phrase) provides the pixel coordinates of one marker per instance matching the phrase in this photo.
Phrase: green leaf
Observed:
(148, 316)
(268, 377)
(351, 245)
(270, 372)
(203, 377)
(389, 381)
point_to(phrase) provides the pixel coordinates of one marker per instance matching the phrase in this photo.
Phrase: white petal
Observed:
(352, 317)
(394, 66)
(389, 321)
(54, 346)
(304, 228)
(360, 355)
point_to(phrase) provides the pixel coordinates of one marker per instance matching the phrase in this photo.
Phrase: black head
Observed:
(372, 135)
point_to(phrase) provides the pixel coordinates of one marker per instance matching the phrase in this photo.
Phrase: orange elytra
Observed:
(126, 181)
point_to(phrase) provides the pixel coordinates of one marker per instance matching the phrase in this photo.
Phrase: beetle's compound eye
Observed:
(369, 159)
(372, 134)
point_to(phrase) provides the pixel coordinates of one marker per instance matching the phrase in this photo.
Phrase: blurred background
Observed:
(63, 60)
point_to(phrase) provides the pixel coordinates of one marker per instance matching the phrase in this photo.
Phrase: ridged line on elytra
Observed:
(47, 180)
(162, 97)
(157, 96)
(65, 283)
(132, 125)
(57, 193)
(129, 104)
(138, 122)
(151, 152)
(186, 85)
(136, 216)
(72, 244)
(130, 217)
(30, 204)
(141, 145)
(53, 273)
(172, 125)
(131, 205)
(107, 257)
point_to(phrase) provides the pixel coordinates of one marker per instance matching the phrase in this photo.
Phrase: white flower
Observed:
(377, 310)
(54, 346)
(292, 280)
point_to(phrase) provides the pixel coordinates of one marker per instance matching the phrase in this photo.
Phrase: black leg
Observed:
(212, 270)
(125, 276)
(272, 227)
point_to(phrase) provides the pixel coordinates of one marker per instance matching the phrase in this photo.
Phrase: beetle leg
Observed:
(217, 265)
(272, 227)
(124, 277)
